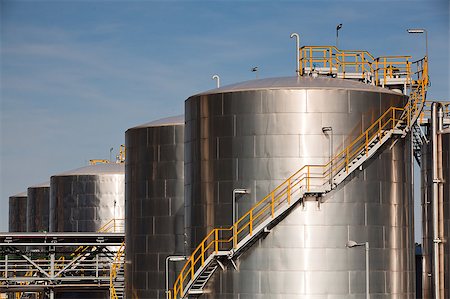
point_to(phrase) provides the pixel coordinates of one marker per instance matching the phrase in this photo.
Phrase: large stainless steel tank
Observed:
(254, 135)
(85, 199)
(18, 212)
(38, 207)
(443, 162)
(154, 204)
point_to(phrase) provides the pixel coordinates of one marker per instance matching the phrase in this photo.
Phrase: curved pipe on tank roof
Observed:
(297, 44)
(217, 78)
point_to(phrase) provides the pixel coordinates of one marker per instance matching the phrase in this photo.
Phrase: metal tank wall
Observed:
(18, 212)
(38, 200)
(154, 204)
(427, 216)
(85, 199)
(254, 135)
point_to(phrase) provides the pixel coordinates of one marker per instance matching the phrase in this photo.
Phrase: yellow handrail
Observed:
(304, 180)
(115, 266)
(114, 225)
(333, 60)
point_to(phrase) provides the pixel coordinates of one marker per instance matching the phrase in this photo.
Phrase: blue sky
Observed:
(76, 74)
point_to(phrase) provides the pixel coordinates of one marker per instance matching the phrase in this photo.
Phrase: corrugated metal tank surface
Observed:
(254, 135)
(85, 199)
(38, 207)
(154, 204)
(18, 212)
(427, 211)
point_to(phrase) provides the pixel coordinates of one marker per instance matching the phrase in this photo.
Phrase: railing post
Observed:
(346, 160)
(272, 202)
(216, 240)
(235, 235)
(379, 131)
(251, 222)
(409, 117)
(307, 179)
(288, 192)
(203, 253)
(367, 143)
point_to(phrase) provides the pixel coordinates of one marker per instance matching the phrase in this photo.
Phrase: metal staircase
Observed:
(224, 245)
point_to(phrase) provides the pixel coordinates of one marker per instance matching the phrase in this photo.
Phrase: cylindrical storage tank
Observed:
(254, 135)
(38, 200)
(18, 212)
(154, 204)
(443, 166)
(87, 198)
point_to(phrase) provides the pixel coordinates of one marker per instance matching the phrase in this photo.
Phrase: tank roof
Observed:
(21, 194)
(97, 169)
(167, 121)
(298, 83)
(41, 185)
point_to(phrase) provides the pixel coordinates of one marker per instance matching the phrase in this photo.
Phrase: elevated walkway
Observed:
(36, 262)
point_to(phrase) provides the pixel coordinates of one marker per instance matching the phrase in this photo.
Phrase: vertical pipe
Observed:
(367, 272)
(435, 201)
(440, 200)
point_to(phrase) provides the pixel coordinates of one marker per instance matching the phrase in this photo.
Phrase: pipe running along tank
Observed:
(254, 135)
(18, 212)
(435, 190)
(38, 201)
(154, 205)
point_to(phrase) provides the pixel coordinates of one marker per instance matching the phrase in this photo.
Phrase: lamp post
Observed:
(420, 31)
(255, 70)
(297, 46)
(172, 258)
(338, 27)
(351, 244)
(235, 193)
(217, 78)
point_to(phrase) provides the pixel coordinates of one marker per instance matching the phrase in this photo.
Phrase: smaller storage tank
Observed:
(18, 212)
(85, 199)
(154, 205)
(38, 207)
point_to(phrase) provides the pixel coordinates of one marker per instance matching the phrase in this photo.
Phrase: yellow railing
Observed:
(332, 60)
(115, 267)
(112, 226)
(309, 178)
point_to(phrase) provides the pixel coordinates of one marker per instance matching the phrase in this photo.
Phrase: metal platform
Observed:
(49, 261)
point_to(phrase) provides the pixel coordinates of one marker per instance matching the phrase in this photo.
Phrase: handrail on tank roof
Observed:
(376, 70)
